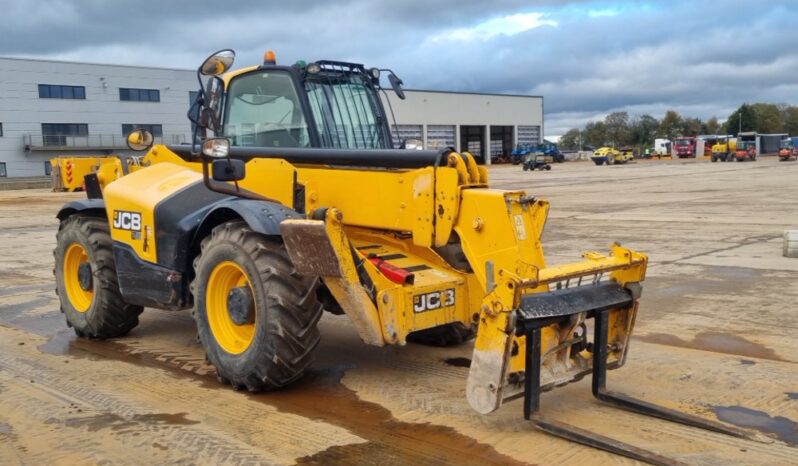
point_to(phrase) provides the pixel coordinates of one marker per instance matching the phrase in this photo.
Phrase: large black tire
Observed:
(444, 335)
(107, 315)
(285, 310)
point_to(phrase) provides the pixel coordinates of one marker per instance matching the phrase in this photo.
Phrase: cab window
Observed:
(263, 110)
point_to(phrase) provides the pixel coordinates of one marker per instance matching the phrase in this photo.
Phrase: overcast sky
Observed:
(587, 58)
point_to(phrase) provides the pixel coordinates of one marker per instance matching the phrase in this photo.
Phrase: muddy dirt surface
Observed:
(715, 337)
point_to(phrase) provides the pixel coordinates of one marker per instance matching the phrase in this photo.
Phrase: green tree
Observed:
(692, 127)
(572, 139)
(595, 134)
(790, 117)
(671, 124)
(712, 126)
(617, 124)
(768, 118)
(643, 130)
(741, 120)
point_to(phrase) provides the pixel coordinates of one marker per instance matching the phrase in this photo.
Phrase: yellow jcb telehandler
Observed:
(298, 202)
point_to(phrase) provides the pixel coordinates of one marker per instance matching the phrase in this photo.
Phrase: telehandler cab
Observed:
(299, 203)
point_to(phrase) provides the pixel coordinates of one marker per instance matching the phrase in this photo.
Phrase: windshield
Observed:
(682, 142)
(346, 111)
(263, 110)
(786, 144)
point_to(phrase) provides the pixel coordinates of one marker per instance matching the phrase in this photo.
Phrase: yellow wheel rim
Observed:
(80, 298)
(232, 337)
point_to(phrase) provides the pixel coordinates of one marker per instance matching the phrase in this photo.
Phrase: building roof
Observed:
(496, 94)
(50, 60)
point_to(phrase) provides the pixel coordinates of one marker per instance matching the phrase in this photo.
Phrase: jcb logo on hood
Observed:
(435, 300)
(124, 220)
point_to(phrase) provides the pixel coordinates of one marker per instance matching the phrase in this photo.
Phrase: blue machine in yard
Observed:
(548, 149)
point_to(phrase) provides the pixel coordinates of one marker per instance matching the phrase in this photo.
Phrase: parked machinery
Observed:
(745, 151)
(611, 156)
(685, 147)
(272, 221)
(787, 150)
(537, 160)
(548, 149)
(724, 149)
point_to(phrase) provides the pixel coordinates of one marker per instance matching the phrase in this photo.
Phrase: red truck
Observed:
(685, 146)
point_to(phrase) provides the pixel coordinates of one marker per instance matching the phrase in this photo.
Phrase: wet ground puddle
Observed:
(320, 395)
(780, 427)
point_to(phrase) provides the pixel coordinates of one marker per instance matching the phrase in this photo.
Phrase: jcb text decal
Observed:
(434, 300)
(124, 220)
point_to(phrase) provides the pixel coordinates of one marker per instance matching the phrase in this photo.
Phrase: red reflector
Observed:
(392, 272)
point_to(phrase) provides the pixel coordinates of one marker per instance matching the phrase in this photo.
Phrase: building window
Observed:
(139, 95)
(56, 91)
(1, 130)
(48, 169)
(56, 134)
(155, 130)
(3, 173)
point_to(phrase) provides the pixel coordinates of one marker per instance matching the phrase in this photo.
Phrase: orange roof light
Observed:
(269, 58)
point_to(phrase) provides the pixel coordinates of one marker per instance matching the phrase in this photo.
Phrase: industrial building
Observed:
(468, 121)
(50, 108)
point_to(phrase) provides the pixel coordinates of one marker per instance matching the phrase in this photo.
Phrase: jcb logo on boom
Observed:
(434, 300)
(124, 220)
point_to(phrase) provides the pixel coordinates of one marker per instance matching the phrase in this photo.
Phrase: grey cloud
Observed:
(701, 58)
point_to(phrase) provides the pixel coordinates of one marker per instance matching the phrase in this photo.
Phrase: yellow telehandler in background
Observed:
(298, 202)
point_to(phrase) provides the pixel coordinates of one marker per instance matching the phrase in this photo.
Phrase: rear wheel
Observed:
(256, 317)
(86, 281)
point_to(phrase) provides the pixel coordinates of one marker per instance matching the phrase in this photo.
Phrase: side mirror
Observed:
(396, 84)
(216, 148)
(218, 63)
(412, 144)
(228, 170)
(139, 140)
(210, 115)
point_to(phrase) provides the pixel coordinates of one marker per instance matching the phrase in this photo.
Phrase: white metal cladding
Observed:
(528, 134)
(440, 136)
(403, 132)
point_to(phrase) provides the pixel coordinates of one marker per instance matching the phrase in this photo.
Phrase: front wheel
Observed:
(86, 281)
(256, 317)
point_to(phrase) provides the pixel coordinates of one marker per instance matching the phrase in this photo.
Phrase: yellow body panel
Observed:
(139, 193)
(393, 200)
(68, 172)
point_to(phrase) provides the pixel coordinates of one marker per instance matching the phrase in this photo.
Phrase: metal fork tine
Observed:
(640, 406)
(567, 431)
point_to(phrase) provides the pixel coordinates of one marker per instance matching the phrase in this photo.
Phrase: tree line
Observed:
(619, 129)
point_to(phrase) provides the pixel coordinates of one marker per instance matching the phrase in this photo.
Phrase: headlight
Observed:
(313, 68)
